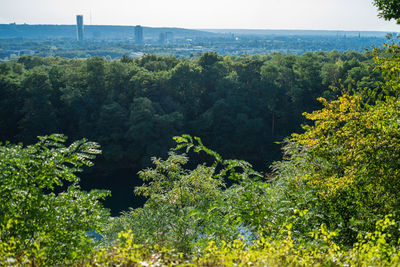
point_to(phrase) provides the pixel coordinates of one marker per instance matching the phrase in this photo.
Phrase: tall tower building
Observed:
(139, 34)
(79, 27)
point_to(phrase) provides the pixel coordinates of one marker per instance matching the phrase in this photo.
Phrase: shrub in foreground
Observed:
(38, 225)
(372, 249)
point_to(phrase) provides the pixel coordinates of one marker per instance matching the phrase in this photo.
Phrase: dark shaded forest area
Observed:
(239, 106)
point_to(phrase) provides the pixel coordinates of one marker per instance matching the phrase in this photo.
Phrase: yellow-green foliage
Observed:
(284, 250)
(349, 156)
(372, 249)
(126, 253)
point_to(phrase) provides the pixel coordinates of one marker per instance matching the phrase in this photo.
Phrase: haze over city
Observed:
(206, 14)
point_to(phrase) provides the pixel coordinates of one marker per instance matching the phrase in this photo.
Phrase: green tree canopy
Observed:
(388, 9)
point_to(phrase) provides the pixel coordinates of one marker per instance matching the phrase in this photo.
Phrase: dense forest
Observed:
(240, 106)
(331, 198)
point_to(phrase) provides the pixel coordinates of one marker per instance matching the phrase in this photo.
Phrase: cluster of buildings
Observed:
(164, 37)
(10, 54)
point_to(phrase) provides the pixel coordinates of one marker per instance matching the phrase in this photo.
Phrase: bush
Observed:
(372, 249)
(37, 225)
(187, 208)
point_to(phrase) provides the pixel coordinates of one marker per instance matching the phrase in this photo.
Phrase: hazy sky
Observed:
(202, 14)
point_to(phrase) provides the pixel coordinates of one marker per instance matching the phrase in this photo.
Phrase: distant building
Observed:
(161, 38)
(169, 37)
(79, 27)
(26, 52)
(139, 34)
(166, 38)
(19, 53)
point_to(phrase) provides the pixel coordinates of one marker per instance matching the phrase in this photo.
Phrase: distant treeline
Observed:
(180, 44)
(27, 31)
(239, 106)
(52, 31)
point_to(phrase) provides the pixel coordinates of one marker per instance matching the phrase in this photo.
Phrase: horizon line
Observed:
(203, 29)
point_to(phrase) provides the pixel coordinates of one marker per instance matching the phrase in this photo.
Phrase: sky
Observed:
(358, 15)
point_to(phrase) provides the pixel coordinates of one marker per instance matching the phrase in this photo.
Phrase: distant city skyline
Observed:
(357, 15)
